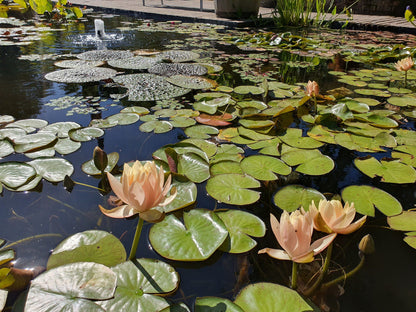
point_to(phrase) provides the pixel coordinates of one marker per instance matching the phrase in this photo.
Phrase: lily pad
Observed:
(268, 297)
(215, 304)
(241, 225)
(68, 288)
(88, 246)
(402, 101)
(390, 171)
(233, 189)
(265, 168)
(149, 87)
(85, 134)
(254, 90)
(14, 174)
(366, 198)
(405, 221)
(140, 284)
(171, 69)
(292, 197)
(61, 129)
(135, 62)
(105, 55)
(157, 126)
(89, 167)
(178, 56)
(66, 146)
(293, 137)
(311, 162)
(6, 148)
(34, 142)
(78, 63)
(192, 82)
(201, 131)
(81, 74)
(52, 169)
(186, 195)
(201, 234)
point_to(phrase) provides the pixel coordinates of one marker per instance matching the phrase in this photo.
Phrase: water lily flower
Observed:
(404, 64)
(294, 234)
(140, 188)
(312, 88)
(332, 217)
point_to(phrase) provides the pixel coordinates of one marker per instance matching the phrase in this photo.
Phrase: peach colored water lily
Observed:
(404, 64)
(312, 88)
(141, 188)
(332, 217)
(294, 234)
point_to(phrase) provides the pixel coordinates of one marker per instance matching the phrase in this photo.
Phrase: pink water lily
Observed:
(294, 234)
(404, 64)
(141, 188)
(312, 88)
(332, 217)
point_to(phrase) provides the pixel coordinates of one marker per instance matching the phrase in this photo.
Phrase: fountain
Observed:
(99, 30)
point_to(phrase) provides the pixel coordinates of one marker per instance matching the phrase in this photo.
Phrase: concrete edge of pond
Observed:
(202, 11)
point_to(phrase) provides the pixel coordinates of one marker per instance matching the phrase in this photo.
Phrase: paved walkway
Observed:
(190, 10)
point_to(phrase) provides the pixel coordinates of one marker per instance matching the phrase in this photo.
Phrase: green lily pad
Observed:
(6, 148)
(293, 137)
(88, 246)
(405, 221)
(311, 162)
(66, 146)
(256, 123)
(172, 69)
(241, 225)
(323, 134)
(186, 195)
(366, 198)
(123, 118)
(265, 168)
(292, 197)
(29, 125)
(357, 142)
(104, 55)
(373, 92)
(390, 171)
(402, 101)
(52, 169)
(89, 167)
(34, 142)
(268, 297)
(14, 174)
(210, 148)
(6, 255)
(12, 133)
(182, 122)
(210, 105)
(136, 109)
(201, 234)
(85, 134)
(194, 167)
(201, 131)
(340, 110)
(60, 129)
(140, 284)
(68, 288)
(215, 304)
(399, 90)
(368, 101)
(249, 90)
(233, 189)
(226, 166)
(157, 126)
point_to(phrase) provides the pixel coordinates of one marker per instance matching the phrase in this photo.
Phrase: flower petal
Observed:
(119, 212)
(320, 244)
(275, 253)
(353, 226)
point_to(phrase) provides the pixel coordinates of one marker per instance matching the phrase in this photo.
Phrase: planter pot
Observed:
(239, 9)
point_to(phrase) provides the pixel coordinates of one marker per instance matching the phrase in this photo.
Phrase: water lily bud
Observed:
(366, 245)
(100, 158)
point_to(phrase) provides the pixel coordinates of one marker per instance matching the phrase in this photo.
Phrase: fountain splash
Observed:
(100, 36)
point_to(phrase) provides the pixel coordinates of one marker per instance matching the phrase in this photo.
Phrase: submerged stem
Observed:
(294, 283)
(345, 276)
(325, 268)
(136, 239)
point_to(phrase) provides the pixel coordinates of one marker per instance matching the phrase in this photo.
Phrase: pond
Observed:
(220, 102)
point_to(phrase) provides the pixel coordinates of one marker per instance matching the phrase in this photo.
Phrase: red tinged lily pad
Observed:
(214, 120)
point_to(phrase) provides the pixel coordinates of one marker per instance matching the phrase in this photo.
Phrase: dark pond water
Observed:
(51, 213)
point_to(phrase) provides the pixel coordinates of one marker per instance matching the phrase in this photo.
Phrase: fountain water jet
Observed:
(99, 29)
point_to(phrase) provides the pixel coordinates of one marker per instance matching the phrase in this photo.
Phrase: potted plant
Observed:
(239, 9)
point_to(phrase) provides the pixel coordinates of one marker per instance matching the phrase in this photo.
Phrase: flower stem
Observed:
(405, 78)
(345, 276)
(325, 268)
(294, 283)
(136, 239)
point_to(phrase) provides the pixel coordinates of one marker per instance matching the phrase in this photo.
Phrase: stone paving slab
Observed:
(203, 11)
